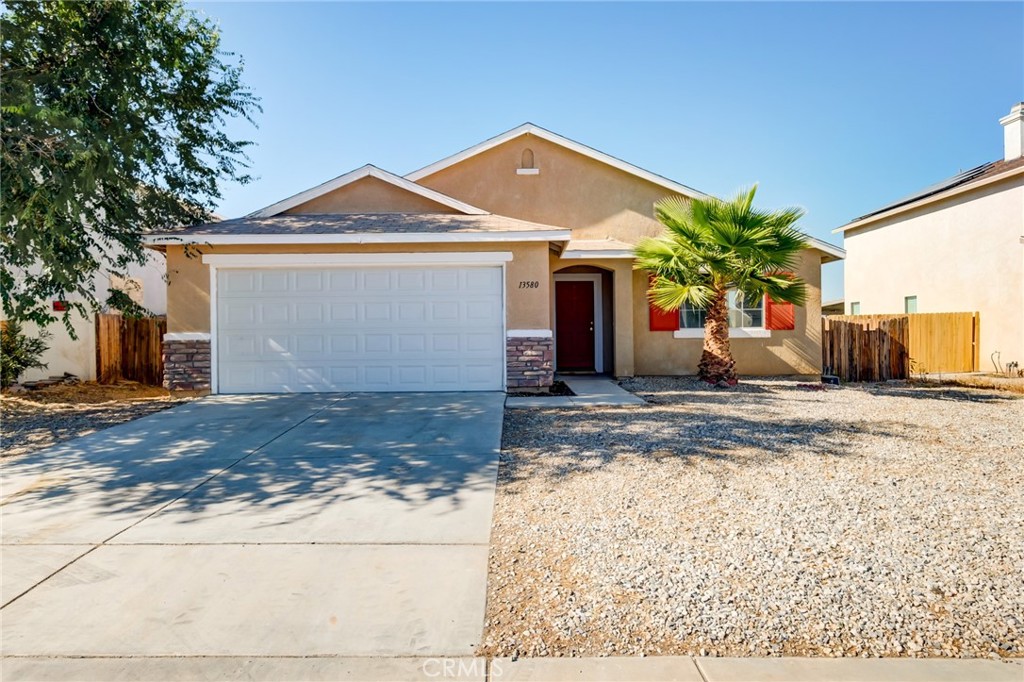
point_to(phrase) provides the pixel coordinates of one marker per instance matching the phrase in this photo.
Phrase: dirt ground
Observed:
(34, 420)
(773, 519)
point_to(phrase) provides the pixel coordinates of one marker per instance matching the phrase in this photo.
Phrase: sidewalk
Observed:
(703, 669)
(590, 391)
(652, 669)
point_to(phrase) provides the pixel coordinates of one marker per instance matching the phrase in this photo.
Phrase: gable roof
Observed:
(360, 228)
(967, 180)
(372, 171)
(544, 134)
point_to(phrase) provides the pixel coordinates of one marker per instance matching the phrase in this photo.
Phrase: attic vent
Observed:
(526, 166)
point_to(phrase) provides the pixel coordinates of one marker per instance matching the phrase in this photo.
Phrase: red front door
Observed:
(574, 326)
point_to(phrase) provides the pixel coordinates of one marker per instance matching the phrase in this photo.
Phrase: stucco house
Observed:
(490, 269)
(144, 284)
(957, 246)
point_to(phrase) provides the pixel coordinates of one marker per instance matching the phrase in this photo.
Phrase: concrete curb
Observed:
(704, 669)
(470, 669)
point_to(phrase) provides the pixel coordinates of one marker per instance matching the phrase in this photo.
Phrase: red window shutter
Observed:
(779, 315)
(662, 320)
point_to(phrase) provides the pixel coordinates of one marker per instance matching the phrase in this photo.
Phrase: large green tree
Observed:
(114, 117)
(711, 246)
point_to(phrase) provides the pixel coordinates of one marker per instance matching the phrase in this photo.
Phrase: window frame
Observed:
(688, 332)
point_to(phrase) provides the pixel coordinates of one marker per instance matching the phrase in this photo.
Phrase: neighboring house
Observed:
(957, 246)
(77, 356)
(833, 307)
(489, 269)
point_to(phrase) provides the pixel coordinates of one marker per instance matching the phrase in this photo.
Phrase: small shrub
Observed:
(19, 352)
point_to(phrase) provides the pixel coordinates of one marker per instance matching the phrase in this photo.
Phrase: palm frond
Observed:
(710, 244)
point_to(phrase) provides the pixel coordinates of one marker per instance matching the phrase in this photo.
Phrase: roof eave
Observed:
(164, 240)
(924, 201)
(832, 252)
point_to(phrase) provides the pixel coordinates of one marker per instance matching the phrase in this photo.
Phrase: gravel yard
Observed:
(35, 420)
(770, 519)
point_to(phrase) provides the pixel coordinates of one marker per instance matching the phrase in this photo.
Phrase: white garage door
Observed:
(360, 329)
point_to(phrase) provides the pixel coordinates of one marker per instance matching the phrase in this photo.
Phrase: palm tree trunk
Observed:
(716, 364)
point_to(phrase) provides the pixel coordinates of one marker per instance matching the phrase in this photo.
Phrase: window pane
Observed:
(691, 318)
(855, 308)
(910, 304)
(740, 313)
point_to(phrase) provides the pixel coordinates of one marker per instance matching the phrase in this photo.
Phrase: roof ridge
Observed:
(563, 141)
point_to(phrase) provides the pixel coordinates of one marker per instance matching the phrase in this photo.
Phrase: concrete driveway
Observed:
(256, 526)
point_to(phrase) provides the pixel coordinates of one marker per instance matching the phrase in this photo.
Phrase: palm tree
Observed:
(711, 246)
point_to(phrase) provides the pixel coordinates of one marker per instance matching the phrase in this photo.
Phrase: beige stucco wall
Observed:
(597, 201)
(571, 190)
(784, 352)
(371, 195)
(962, 254)
(188, 289)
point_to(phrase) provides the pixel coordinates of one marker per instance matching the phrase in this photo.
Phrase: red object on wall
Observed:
(780, 316)
(60, 306)
(662, 320)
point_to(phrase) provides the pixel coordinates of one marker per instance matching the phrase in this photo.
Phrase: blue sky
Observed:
(836, 107)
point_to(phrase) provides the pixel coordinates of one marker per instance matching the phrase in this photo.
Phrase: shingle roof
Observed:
(982, 172)
(363, 223)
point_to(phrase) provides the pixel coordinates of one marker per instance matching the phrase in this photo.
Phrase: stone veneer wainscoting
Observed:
(187, 364)
(529, 361)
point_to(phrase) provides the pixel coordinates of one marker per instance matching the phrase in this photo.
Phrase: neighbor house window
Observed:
(855, 308)
(910, 304)
(742, 313)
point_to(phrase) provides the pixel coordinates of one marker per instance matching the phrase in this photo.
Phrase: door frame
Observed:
(598, 315)
(216, 262)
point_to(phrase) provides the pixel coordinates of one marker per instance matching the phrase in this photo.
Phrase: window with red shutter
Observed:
(779, 316)
(661, 320)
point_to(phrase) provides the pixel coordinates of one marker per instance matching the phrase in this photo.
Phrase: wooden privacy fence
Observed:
(882, 347)
(130, 348)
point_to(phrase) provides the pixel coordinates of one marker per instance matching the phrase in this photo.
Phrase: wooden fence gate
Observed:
(130, 348)
(881, 347)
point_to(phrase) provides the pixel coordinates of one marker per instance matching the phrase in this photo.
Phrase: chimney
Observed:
(1013, 133)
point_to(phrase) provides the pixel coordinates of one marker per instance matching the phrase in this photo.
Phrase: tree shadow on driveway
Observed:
(292, 455)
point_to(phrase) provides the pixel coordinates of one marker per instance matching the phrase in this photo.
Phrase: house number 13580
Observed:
(529, 285)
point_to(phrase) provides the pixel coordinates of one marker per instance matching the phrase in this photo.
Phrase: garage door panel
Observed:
(411, 311)
(444, 280)
(274, 313)
(309, 281)
(444, 311)
(481, 311)
(379, 311)
(273, 281)
(483, 280)
(306, 313)
(377, 280)
(369, 329)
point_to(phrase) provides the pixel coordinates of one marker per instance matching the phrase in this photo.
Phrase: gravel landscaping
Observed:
(771, 519)
(36, 420)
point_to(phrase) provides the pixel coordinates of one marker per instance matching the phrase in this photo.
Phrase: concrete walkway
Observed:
(256, 526)
(591, 391)
(467, 669)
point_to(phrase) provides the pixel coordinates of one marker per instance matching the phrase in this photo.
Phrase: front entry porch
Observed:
(583, 320)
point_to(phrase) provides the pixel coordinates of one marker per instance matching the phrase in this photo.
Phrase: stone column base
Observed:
(187, 365)
(529, 361)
